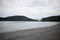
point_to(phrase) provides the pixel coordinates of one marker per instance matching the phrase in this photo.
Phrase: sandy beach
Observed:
(47, 33)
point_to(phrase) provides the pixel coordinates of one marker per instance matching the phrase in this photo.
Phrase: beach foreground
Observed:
(47, 33)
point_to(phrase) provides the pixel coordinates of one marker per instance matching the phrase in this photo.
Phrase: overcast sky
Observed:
(35, 9)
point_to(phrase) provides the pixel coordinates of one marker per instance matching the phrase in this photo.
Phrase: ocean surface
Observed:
(8, 26)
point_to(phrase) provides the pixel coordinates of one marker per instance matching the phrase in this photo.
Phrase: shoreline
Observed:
(47, 33)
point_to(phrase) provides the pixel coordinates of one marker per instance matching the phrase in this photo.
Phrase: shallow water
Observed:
(7, 26)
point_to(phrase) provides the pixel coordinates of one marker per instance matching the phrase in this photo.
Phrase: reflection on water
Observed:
(6, 26)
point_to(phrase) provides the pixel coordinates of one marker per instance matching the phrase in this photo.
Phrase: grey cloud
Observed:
(36, 3)
(10, 7)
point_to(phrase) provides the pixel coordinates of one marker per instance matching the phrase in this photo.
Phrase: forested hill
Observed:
(16, 18)
(52, 18)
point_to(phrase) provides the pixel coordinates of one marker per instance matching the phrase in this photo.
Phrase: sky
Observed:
(35, 9)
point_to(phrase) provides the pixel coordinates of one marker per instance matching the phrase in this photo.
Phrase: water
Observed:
(7, 26)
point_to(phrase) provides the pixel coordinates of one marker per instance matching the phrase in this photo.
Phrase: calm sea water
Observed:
(6, 26)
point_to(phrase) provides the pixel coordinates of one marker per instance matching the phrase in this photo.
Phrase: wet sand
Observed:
(47, 33)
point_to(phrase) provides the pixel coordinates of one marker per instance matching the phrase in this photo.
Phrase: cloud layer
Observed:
(32, 8)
